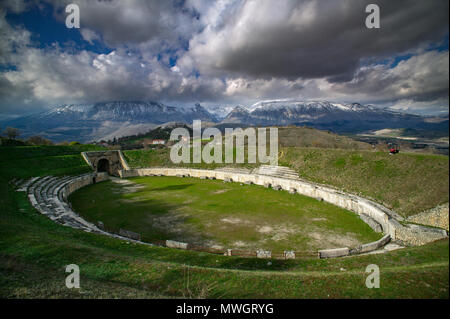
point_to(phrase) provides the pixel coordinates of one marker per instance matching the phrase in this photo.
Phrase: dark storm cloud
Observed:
(312, 39)
(132, 21)
(421, 78)
(228, 52)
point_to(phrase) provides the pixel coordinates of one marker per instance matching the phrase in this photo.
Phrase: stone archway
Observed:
(103, 166)
(106, 161)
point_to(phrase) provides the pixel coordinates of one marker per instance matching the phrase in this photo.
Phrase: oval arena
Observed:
(50, 196)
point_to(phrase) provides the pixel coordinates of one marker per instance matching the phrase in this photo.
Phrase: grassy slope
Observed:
(162, 206)
(34, 251)
(294, 136)
(28, 161)
(408, 183)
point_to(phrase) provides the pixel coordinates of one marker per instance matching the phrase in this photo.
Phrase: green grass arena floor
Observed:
(220, 215)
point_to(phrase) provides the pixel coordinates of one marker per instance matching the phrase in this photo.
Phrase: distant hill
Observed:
(160, 132)
(293, 136)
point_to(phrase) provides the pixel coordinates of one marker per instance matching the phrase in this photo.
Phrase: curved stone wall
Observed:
(387, 219)
(49, 196)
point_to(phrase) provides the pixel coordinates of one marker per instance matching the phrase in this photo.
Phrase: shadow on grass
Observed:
(154, 219)
(171, 188)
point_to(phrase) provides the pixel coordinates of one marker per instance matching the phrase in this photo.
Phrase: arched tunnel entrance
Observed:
(111, 161)
(103, 166)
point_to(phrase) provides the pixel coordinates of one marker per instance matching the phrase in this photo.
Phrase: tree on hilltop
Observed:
(38, 140)
(11, 132)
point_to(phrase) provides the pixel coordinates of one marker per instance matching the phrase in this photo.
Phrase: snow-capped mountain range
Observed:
(336, 117)
(128, 111)
(88, 122)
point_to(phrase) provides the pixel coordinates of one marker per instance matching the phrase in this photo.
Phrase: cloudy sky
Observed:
(224, 53)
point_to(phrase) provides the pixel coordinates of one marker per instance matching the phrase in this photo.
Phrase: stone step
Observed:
(44, 187)
(51, 186)
(17, 182)
(276, 171)
(58, 192)
(26, 184)
(38, 183)
(32, 185)
(59, 189)
(35, 189)
(54, 186)
(234, 170)
(45, 195)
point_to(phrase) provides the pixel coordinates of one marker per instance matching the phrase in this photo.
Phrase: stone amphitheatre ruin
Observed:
(49, 196)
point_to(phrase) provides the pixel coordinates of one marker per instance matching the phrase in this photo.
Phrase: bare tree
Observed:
(11, 132)
(38, 140)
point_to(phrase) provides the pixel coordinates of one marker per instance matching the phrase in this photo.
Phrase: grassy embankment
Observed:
(34, 251)
(408, 183)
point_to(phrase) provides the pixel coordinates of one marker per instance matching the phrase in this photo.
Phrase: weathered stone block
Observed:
(176, 244)
(375, 245)
(336, 252)
(371, 222)
(289, 254)
(129, 234)
(263, 253)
